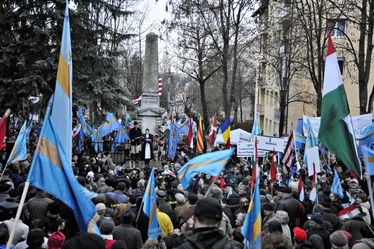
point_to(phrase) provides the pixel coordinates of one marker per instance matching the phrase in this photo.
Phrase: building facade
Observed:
(283, 67)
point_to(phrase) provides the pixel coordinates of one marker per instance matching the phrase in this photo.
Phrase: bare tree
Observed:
(359, 14)
(196, 52)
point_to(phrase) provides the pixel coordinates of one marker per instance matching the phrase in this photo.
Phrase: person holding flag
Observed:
(51, 170)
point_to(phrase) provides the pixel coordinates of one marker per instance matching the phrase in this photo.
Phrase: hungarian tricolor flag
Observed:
(314, 192)
(189, 142)
(301, 189)
(213, 131)
(336, 130)
(349, 212)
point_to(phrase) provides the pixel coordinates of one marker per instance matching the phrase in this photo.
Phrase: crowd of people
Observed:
(209, 214)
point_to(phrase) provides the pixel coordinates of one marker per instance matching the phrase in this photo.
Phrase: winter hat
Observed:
(56, 240)
(208, 207)
(217, 194)
(282, 217)
(338, 240)
(361, 246)
(300, 234)
(180, 198)
(106, 227)
(317, 217)
(161, 193)
(100, 207)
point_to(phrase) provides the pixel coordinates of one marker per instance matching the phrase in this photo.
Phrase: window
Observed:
(337, 27)
(341, 64)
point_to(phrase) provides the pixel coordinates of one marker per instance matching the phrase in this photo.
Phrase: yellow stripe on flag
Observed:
(49, 150)
(63, 75)
(200, 138)
(257, 227)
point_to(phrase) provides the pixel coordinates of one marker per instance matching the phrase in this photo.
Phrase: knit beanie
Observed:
(338, 240)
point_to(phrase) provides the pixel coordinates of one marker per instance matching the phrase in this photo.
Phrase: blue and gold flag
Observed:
(208, 163)
(251, 228)
(110, 124)
(51, 169)
(121, 137)
(173, 141)
(19, 151)
(150, 208)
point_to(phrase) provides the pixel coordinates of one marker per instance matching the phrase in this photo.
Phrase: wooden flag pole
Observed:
(18, 215)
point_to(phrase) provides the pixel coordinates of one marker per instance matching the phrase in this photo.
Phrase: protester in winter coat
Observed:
(338, 240)
(355, 226)
(206, 234)
(291, 206)
(269, 216)
(282, 218)
(276, 240)
(316, 227)
(364, 205)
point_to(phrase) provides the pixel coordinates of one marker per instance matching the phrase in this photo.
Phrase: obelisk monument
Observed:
(150, 110)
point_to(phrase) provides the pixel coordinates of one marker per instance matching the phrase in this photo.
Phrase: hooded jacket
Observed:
(207, 238)
(283, 219)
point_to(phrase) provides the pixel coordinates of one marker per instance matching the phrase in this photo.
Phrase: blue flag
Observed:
(251, 229)
(336, 187)
(97, 141)
(366, 139)
(208, 163)
(311, 139)
(87, 130)
(299, 135)
(51, 169)
(368, 154)
(256, 130)
(173, 141)
(121, 137)
(19, 151)
(150, 208)
(110, 124)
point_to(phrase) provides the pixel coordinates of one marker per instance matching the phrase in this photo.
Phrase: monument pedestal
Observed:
(150, 111)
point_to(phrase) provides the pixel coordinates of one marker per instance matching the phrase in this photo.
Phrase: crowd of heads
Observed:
(209, 204)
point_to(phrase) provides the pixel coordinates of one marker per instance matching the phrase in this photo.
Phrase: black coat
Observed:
(294, 209)
(207, 238)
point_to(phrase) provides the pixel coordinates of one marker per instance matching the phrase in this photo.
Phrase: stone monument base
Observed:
(150, 112)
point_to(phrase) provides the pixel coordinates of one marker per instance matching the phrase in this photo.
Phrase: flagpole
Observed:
(19, 211)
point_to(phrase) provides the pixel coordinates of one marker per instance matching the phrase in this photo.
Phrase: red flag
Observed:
(273, 170)
(213, 131)
(190, 134)
(254, 170)
(3, 122)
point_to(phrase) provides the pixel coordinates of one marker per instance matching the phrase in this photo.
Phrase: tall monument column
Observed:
(150, 110)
